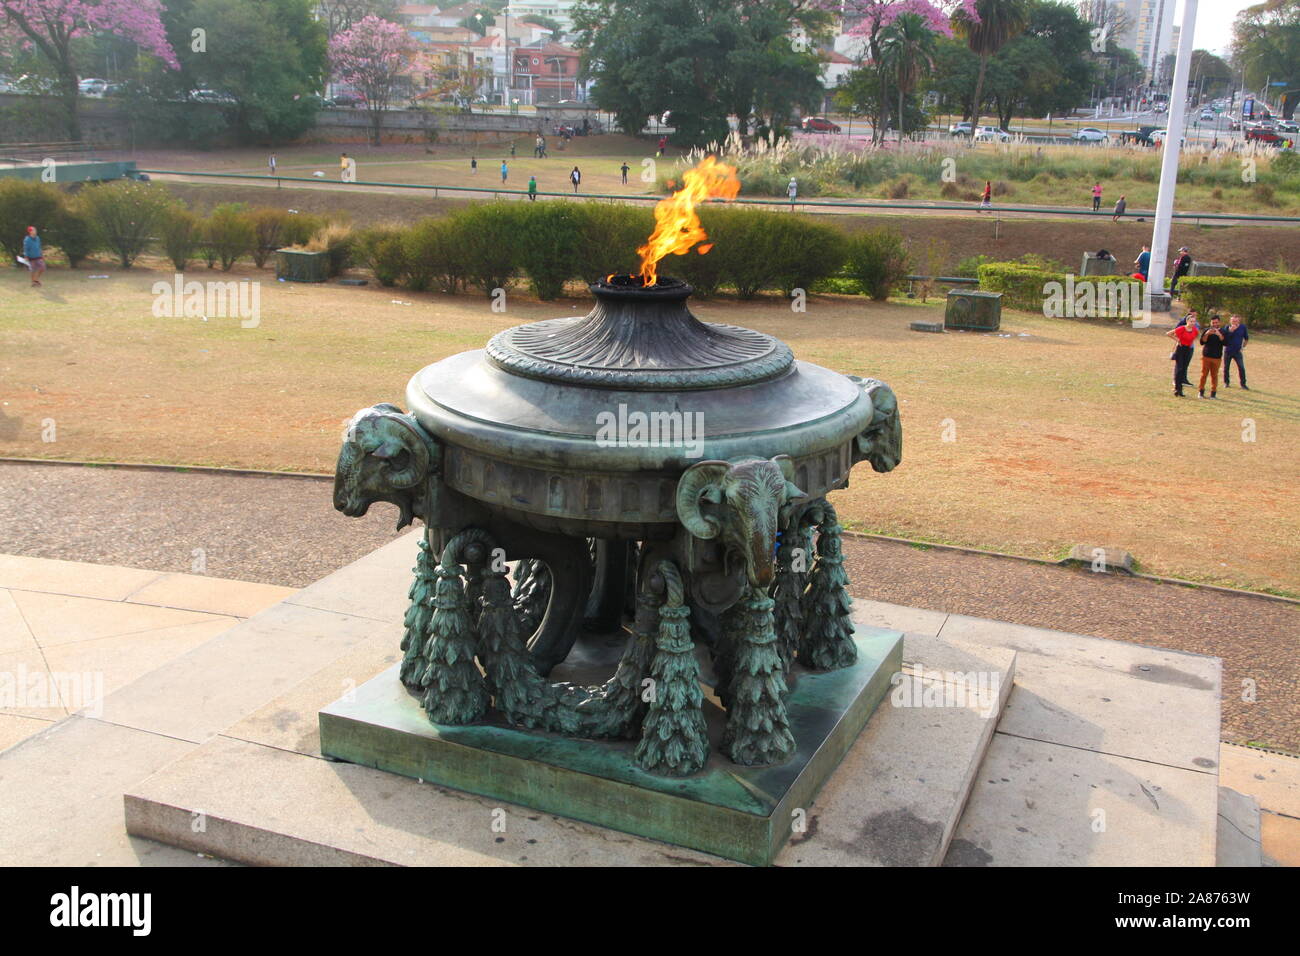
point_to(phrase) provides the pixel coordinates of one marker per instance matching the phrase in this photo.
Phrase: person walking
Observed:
(473, 165)
(575, 177)
(1143, 264)
(1211, 357)
(505, 171)
(539, 147)
(663, 144)
(344, 165)
(1185, 336)
(1235, 337)
(271, 162)
(1096, 198)
(623, 169)
(512, 149)
(986, 200)
(792, 189)
(1120, 205)
(1182, 266)
(34, 255)
(532, 189)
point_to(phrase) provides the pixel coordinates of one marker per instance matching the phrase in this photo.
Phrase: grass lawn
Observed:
(1056, 175)
(1061, 432)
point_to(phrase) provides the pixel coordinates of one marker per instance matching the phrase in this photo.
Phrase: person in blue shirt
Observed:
(1234, 340)
(34, 255)
(1143, 263)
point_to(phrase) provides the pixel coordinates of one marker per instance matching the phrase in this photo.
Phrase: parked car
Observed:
(210, 96)
(92, 87)
(819, 124)
(1090, 134)
(1207, 116)
(959, 129)
(991, 134)
(1261, 134)
(1288, 126)
(346, 101)
(1159, 136)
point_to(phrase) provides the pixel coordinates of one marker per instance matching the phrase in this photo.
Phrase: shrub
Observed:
(899, 188)
(180, 234)
(24, 204)
(1025, 286)
(337, 239)
(1262, 299)
(879, 260)
(1286, 164)
(609, 237)
(969, 268)
(269, 227)
(548, 237)
(230, 233)
(950, 191)
(73, 234)
(433, 257)
(487, 235)
(124, 216)
(706, 271)
(382, 249)
(298, 228)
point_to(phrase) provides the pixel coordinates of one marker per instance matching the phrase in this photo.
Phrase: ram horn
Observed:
(701, 480)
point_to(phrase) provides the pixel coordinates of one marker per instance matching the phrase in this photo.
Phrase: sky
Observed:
(1214, 22)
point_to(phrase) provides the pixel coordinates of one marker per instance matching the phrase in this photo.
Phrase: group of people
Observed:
(1142, 264)
(1220, 348)
(1121, 204)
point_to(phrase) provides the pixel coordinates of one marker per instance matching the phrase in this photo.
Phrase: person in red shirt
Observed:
(1185, 335)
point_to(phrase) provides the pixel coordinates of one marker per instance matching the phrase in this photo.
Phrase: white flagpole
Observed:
(1169, 166)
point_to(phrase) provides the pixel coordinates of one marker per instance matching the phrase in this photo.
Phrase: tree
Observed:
(701, 61)
(986, 30)
(339, 15)
(266, 58)
(1266, 43)
(373, 56)
(52, 26)
(908, 49)
(869, 19)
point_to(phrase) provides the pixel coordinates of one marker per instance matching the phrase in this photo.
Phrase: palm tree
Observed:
(999, 22)
(908, 46)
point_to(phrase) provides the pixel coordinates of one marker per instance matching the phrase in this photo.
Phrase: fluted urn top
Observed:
(639, 338)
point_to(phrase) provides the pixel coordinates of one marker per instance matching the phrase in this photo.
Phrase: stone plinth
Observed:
(743, 813)
(1208, 269)
(974, 311)
(1093, 266)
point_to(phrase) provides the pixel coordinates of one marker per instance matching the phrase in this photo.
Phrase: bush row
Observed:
(1263, 299)
(1026, 285)
(550, 244)
(127, 219)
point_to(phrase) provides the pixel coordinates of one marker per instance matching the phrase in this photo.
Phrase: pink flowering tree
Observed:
(872, 19)
(373, 55)
(51, 26)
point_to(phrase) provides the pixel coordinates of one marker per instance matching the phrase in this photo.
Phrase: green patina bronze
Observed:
(700, 535)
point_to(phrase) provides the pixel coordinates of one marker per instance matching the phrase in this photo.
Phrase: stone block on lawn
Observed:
(926, 326)
(1093, 266)
(975, 311)
(299, 265)
(1209, 269)
(1108, 560)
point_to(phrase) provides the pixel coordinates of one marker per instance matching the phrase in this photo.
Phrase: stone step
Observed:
(264, 795)
(1238, 830)
(1088, 766)
(63, 781)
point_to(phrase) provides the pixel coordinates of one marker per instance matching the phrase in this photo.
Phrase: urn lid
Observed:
(639, 338)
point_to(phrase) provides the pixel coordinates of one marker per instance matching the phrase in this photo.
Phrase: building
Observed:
(1144, 26)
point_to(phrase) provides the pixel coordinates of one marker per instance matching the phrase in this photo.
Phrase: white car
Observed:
(959, 129)
(1159, 136)
(991, 134)
(92, 87)
(1208, 116)
(1090, 134)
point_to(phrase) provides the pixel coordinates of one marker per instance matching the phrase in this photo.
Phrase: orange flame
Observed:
(677, 227)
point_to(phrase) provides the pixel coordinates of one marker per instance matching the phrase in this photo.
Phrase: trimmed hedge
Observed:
(1263, 299)
(1025, 286)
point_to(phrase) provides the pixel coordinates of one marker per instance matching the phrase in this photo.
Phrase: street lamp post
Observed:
(1169, 166)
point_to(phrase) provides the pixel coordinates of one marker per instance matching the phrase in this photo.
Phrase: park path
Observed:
(823, 206)
(284, 531)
